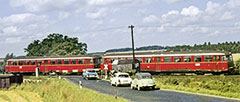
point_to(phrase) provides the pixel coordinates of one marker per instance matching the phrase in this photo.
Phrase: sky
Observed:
(103, 24)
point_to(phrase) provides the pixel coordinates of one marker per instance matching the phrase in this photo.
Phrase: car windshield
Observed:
(146, 77)
(123, 76)
(93, 71)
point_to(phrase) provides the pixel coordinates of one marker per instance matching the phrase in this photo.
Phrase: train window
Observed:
(88, 61)
(59, 61)
(45, 61)
(15, 63)
(53, 62)
(177, 59)
(32, 62)
(80, 61)
(140, 59)
(9, 63)
(39, 63)
(217, 58)
(167, 59)
(20, 62)
(26, 62)
(197, 58)
(148, 59)
(66, 61)
(208, 58)
(158, 59)
(73, 61)
(187, 58)
(121, 58)
(224, 58)
(106, 60)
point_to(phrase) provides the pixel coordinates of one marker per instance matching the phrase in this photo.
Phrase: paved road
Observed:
(145, 95)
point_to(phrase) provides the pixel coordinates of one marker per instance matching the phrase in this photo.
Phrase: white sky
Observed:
(103, 24)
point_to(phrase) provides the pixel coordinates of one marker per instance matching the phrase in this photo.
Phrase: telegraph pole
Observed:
(133, 63)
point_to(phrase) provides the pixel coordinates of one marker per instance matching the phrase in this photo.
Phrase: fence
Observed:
(6, 81)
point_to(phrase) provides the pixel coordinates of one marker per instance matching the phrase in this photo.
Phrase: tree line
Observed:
(233, 47)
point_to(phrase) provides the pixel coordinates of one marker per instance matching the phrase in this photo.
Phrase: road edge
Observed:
(222, 97)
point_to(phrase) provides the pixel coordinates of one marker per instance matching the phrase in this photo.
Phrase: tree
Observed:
(55, 45)
(3, 65)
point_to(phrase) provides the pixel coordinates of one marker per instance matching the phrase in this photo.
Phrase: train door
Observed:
(44, 65)
(157, 63)
(217, 59)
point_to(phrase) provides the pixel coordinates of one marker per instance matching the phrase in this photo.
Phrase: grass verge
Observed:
(227, 86)
(55, 90)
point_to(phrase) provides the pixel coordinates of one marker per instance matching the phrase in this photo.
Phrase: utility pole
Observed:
(133, 63)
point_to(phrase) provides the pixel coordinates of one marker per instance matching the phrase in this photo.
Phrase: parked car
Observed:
(143, 80)
(120, 79)
(90, 74)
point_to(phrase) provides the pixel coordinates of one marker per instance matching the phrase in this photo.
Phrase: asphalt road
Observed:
(145, 95)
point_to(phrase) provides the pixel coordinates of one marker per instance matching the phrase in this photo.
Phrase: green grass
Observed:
(227, 86)
(55, 90)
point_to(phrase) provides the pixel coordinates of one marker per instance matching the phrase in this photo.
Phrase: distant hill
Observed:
(155, 47)
(233, 47)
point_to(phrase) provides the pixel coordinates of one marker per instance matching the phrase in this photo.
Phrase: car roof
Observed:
(143, 73)
(121, 73)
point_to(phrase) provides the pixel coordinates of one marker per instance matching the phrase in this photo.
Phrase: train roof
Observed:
(52, 57)
(163, 53)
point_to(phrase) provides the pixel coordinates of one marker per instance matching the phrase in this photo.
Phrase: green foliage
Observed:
(227, 86)
(3, 64)
(55, 90)
(233, 47)
(55, 45)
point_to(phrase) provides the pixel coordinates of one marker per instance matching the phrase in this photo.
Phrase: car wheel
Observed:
(139, 88)
(132, 87)
(153, 87)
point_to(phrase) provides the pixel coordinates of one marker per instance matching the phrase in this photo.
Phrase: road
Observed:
(145, 95)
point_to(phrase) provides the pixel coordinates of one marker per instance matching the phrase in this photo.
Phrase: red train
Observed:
(73, 64)
(168, 62)
(152, 61)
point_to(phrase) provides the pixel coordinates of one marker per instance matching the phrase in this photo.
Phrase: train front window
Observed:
(187, 58)
(177, 59)
(167, 59)
(197, 58)
(208, 58)
(9, 63)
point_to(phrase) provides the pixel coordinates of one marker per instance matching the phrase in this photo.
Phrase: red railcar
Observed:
(74, 64)
(161, 61)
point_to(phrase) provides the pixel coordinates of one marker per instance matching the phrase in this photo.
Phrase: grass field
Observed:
(53, 90)
(227, 86)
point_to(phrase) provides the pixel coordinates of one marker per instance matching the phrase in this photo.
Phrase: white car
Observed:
(120, 79)
(90, 74)
(143, 80)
